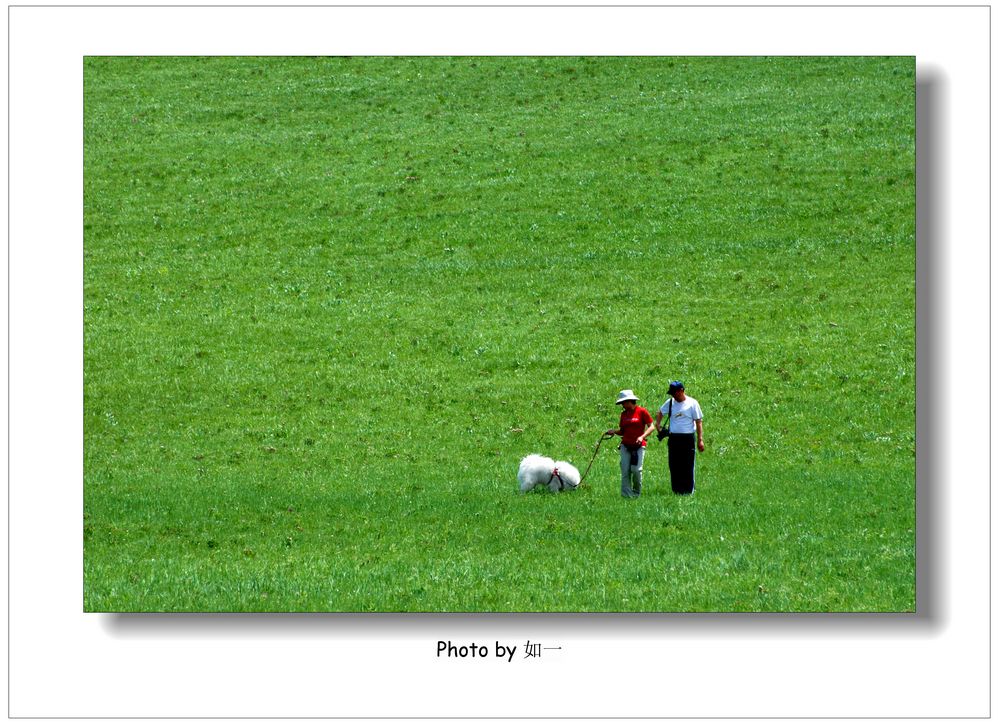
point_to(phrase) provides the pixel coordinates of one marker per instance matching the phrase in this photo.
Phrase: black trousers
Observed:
(681, 462)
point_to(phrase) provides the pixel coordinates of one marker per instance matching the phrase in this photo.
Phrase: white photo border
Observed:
(66, 663)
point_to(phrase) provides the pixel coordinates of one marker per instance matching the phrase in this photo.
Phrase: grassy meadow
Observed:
(329, 303)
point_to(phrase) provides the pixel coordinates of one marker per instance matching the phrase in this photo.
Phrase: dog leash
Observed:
(603, 437)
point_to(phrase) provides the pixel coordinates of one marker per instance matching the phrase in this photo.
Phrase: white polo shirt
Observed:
(683, 414)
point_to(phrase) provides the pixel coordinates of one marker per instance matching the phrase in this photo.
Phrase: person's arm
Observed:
(613, 431)
(649, 426)
(699, 424)
(659, 420)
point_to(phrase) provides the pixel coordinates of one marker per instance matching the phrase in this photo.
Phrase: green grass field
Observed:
(329, 303)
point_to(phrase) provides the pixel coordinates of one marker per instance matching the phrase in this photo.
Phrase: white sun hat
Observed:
(624, 396)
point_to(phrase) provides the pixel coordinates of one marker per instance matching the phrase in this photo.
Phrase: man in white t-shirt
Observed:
(684, 419)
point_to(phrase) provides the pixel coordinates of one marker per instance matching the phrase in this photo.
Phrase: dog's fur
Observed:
(536, 470)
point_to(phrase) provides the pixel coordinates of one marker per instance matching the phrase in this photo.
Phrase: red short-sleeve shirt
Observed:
(633, 424)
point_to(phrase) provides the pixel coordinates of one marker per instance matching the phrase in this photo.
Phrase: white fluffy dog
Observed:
(538, 470)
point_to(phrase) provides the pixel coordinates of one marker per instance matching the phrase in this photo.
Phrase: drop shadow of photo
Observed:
(931, 361)
(931, 546)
